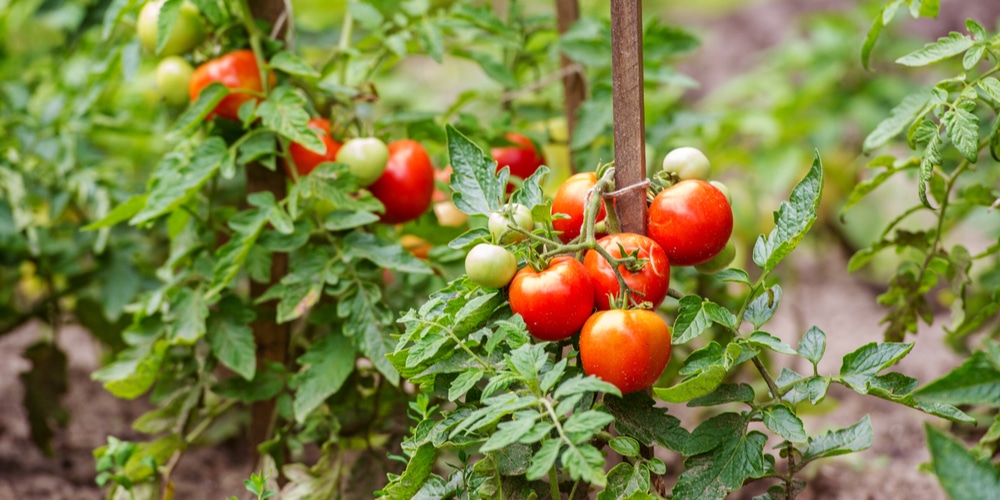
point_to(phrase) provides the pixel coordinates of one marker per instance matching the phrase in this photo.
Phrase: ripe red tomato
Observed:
(692, 221)
(406, 186)
(305, 159)
(650, 283)
(236, 70)
(570, 200)
(523, 159)
(626, 348)
(554, 302)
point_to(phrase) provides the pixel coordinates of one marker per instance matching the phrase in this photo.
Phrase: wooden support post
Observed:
(271, 338)
(574, 86)
(630, 137)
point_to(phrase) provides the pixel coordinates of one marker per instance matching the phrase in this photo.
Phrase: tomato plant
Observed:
(628, 348)
(554, 302)
(305, 159)
(647, 284)
(569, 201)
(237, 70)
(692, 221)
(406, 186)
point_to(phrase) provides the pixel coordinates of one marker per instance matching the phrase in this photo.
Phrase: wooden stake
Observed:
(574, 86)
(630, 137)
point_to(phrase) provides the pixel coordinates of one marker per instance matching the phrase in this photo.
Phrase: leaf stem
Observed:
(258, 51)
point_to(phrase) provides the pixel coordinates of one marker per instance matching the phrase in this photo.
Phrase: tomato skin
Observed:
(406, 186)
(173, 75)
(236, 70)
(305, 159)
(491, 266)
(692, 221)
(366, 157)
(523, 159)
(188, 31)
(570, 200)
(626, 348)
(687, 163)
(651, 281)
(554, 302)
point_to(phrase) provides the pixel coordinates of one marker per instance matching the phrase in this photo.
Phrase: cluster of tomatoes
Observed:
(624, 342)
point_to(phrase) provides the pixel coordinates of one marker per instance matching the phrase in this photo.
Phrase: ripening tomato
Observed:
(554, 302)
(173, 75)
(522, 158)
(720, 261)
(187, 33)
(626, 348)
(406, 186)
(447, 213)
(687, 163)
(650, 283)
(366, 157)
(570, 200)
(692, 221)
(237, 70)
(511, 215)
(305, 159)
(417, 246)
(492, 266)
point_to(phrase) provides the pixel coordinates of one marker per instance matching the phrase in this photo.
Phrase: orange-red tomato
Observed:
(570, 200)
(626, 348)
(237, 70)
(305, 159)
(406, 186)
(554, 302)
(523, 158)
(650, 283)
(692, 221)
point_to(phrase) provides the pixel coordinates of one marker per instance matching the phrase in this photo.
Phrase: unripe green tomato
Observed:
(720, 261)
(512, 214)
(725, 190)
(173, 75)
(492, 266)
(366, 157)
(687, 163)
(188, 32)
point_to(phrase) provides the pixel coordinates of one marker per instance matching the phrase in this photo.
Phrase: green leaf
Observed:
(291, 64)
(872, 358)
(763, 306)
(465, 381)
(721, 457)
(580, 384)
(798, 388)
(960, 473)
(530, 192)
(477, 189)
(589, 421)
(733, 275)
(121, 213)
(792, 220)
(134, 371)
(783, 422)
(339, 220)
(284, 112)
(384, 253)
(625, 446)
(857, 437)
(973, 56)
(991, 86)
(930, 158)
(544, 459)
(231, 339)
(637, 416)
(813, 345)
(418, 469)
(706, 367)
(177, 178)
(908, 110)
(976, 381)
(507, 433)
(187, 316)
(208, 98)
(229, 258)
(695, 315)
(585, 463)
(725, 393)
(873, 33)
(963, 130)
(301, 288)
(625, 480)
(326, 366)
(945, 47)
(170, 10)
(493, 69)
(433, 40)
(768, 341)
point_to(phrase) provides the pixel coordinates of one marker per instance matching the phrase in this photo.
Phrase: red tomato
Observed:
(692, 221)
(522, 159)
(554, 302)
(650, 283)
(236, 70)
(406, 186)
(626, 348)
(570, 200)
(305, 159)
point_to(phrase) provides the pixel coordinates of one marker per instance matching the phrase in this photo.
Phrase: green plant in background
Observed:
(953, 129)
